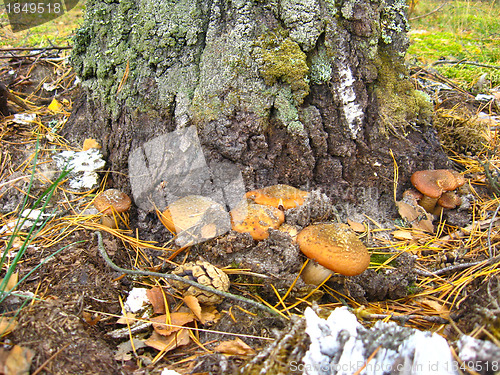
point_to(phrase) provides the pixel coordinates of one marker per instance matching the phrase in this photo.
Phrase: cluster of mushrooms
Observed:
(332, 247)
(435, 191)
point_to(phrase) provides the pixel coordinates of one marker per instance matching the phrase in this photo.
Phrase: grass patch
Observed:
(459, 31)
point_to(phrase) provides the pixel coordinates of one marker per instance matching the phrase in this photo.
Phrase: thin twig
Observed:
(34, 48)
(466, 62)
(456, 267)
(170, 276)
(428, 14)
(42, 366)
(405, 318)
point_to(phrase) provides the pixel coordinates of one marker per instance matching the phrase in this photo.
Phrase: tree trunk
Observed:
(311, 93)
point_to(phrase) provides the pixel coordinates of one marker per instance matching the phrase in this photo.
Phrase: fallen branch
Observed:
(34, 48)
(457, 267)
(170, 276)
(402, 318)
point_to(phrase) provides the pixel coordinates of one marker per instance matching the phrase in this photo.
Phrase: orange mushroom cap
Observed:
(112, 199)
(433, 183)
(279, 196)
(256, 219)
(335, 247)
(187, 212)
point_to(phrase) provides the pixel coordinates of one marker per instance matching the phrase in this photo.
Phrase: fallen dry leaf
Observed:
(18, 361)
(170, 342)
(416, 216)
(155, 296)
(90, 143)
(193, 303)
(90, 319)
(438, 308)
(209, 315)
(402, 235)
(178, 319)
(355, 226)
(124, 350)
(234, 347)
(13, 279)
(7, 325)
(128, 318)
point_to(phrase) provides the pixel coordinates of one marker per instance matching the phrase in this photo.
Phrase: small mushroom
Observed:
(279, 196)
(110, 201)
(195, 218)
(448, 200)
(334, 246)
(433, 183)
(256, 219)
(187, 212)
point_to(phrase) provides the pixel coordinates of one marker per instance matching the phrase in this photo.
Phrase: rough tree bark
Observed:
(311, 93)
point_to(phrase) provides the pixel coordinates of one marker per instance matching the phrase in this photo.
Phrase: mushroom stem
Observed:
(428, 203)
(314, 273)
(108, 221)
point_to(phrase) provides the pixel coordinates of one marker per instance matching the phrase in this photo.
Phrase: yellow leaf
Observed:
(55, 106)
(234, 347)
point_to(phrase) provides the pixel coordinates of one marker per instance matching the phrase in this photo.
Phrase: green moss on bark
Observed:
(282, 60)
(400, 105)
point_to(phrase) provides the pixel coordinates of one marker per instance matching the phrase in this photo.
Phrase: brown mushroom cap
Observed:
(335, 247)
(278, 195)
(112, 199)
(187, 212)
(433, 183)
(449, 200)
(256, 219)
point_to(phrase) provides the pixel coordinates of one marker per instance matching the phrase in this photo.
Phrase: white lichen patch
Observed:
(352, 110)
(137, 299)
(341, 345)
(83, 166)
(303, 19)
